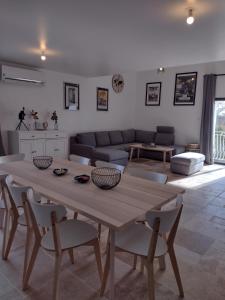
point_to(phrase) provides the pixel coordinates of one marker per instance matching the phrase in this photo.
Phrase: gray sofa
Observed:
(113, 146)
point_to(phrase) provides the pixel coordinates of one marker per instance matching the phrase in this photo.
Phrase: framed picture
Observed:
(153, 94)
(102, 99)
(185, 88)
(71, 96)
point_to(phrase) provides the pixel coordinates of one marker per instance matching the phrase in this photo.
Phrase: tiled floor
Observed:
(200, 248)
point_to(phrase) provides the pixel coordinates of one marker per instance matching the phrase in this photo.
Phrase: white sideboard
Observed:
(33, 143)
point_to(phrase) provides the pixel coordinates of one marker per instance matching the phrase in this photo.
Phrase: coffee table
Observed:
(139, 147)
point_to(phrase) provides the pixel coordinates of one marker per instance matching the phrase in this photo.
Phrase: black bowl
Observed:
(60, 172)
(82, 178)
(42, 162)
(106, 178)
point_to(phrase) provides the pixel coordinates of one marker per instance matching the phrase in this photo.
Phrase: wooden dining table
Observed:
(115, 208)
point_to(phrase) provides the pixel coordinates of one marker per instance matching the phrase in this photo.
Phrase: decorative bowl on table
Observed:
(60, 172)
(82, 178)
(42, 162)
(106, 178)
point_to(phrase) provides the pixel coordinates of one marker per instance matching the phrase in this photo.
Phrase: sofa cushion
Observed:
(165, 139)
(102, 138)
(107, 154)
(165, 129)
(87, 138)
(128, 136)
(143, 136)
(115, 137)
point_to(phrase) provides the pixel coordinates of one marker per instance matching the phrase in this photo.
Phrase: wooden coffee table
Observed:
(139, 147)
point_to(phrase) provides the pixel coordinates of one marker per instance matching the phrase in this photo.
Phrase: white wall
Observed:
(185, 119)
(50, 97)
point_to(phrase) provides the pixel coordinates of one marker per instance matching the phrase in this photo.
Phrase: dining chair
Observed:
(149, 242)
(80, 159)
(61, 236)
(105, 164)
(7, 159)
(153, 176)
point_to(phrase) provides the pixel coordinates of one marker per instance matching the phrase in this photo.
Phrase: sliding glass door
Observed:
(219, 134)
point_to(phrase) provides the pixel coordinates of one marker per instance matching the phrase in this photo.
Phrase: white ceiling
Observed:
(100, 37)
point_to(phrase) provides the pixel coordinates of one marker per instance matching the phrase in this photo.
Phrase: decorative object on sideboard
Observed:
(117, 83)
(71, 96)
(106, 178)
(185, 88)
(54, 118)
(21, 117)
(34, 116)
(153, 94)
(102, 99)
(60, 172)
(42, 162)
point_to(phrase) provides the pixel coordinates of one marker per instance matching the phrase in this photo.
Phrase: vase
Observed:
(56, 127)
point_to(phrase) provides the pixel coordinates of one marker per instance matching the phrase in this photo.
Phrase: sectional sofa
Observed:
(113, 146)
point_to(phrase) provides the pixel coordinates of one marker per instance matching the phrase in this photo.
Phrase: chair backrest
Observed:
(103, 164)
(80, 159)
(167, 218)
(43, 212)
(11, 158)
(153, 176)
(15, 191)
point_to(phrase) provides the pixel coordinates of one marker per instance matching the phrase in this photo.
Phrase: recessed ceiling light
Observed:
(161, 69)
(43, 56)
(190, 19)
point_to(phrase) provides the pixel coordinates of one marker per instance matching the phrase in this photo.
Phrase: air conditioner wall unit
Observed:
(15, 74)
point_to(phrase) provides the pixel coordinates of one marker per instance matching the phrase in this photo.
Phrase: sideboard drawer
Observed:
(30, 135)
(55, 135)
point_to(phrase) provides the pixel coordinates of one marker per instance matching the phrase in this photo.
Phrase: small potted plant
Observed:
(54, 118)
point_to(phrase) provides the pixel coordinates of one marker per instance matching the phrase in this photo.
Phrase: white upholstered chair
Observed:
(62, 236)
(80, 159)
(153, 176)
(149, 242)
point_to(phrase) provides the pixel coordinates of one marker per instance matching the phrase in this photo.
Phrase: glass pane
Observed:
(219, 136)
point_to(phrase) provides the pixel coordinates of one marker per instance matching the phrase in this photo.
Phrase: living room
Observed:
(114, 77)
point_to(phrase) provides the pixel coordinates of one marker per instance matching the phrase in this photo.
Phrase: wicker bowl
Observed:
(105, 178)
(42, 162)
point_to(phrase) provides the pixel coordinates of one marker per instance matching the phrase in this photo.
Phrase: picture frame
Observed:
(102, 99)
(153, 94)
(185, 88)
(71, 96)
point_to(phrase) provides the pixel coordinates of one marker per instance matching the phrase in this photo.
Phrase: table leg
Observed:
(138, 154)
(164, 158)
(112, 264)
(131, 153)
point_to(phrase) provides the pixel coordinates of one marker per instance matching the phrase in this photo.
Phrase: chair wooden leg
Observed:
(75, 215)
(162, 263)
(5, 233)
(105, 273)
(58, 259)
(31, 264)
(151, 282)
(176, 271)
(135, 262)
(11, 238)
(70, 251)
(2, 214)
(27, 252)
(142, 265)
(98, 259)
(99, 231)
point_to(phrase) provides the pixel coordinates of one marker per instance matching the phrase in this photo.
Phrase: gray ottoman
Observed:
(118, 157)
(187, 163)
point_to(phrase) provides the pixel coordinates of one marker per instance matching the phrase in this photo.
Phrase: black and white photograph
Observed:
(185, 88)
(71, 96)
(153, 93)
(102, 99)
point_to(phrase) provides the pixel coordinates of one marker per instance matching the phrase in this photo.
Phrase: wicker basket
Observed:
(105, 178)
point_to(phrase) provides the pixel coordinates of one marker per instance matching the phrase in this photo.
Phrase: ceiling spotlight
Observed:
(43, 56)
(161, 69)
(190, 19)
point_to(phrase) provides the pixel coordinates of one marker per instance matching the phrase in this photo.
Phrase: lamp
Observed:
(190, 19)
